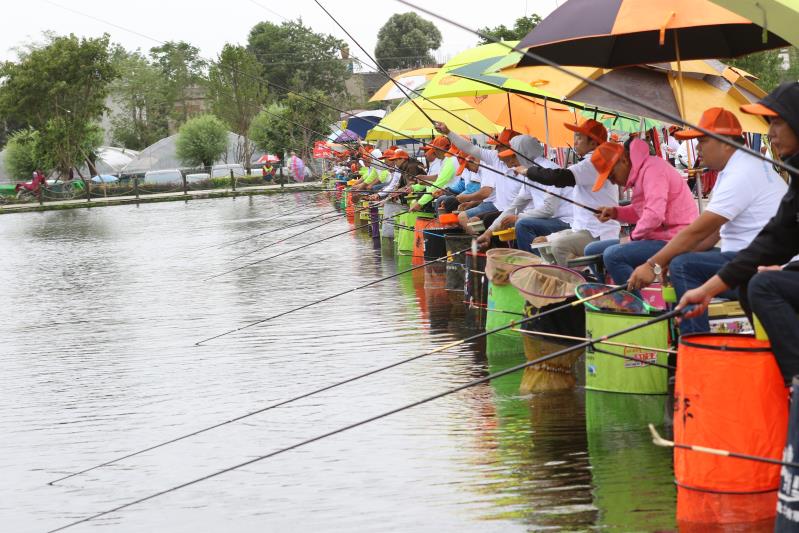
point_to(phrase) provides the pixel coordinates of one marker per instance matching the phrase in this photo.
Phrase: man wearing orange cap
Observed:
(773, 291)
(661, 204)
(746, 195)
(441, 172)
(586, 228)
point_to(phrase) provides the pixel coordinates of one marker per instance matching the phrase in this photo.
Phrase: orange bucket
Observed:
(729, 394)
(418, 239)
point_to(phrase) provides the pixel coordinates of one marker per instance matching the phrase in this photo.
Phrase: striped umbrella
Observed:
(616, 33)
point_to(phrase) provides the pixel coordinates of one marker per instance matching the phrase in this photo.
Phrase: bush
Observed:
(23, 154)
(201, 141)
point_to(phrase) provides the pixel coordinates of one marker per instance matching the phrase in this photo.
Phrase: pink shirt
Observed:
(662, 204)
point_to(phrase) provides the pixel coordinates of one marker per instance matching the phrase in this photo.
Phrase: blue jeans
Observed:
(621, 259)
(528, 229)
(482, 209)
(599, 247)
(689, 271)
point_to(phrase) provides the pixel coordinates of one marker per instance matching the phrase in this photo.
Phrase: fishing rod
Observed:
(573, 338)
(370, 419)
(337, 384)
(252, 263)
(261, 321)
(657, 440)
(674, 119)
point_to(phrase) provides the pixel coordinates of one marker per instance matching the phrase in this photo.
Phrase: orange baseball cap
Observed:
(388, 153)
(591, 128)
(464, 160)
(759, 109)
(399, 153)
(716, 119)
(604, 158)
(440, 142)
(503, 138)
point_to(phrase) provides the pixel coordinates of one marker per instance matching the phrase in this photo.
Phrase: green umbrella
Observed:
(622, 123)
(777, 16)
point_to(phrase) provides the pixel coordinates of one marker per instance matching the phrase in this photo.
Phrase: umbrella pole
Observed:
(546, 123)
(510, 112)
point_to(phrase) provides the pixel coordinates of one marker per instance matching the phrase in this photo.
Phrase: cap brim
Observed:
(573, 127)
(506, 153)
(600, 180)
(759, 109)
(492, 141)
(688, 134)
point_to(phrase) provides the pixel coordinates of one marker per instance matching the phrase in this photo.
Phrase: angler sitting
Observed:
(769, 290)
(440, 174)
(496, 190)
(532, 213)
(582, 176)
(661, 206)
(469, 172)
(746, 195)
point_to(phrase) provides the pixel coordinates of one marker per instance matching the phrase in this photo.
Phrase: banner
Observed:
(321, 150)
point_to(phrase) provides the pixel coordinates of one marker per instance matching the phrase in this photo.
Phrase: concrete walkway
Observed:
(158, 197)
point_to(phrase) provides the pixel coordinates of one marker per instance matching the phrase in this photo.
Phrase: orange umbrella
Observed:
(528, 116)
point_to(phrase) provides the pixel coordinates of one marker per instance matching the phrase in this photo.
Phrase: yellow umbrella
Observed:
(414, 79)
(410, 122)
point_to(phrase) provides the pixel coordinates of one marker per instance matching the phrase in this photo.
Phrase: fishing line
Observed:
(384, 414)
(261, 321)
(337, 384)
(252, 263)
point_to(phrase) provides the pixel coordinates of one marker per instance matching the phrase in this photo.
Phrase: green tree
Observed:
(201, 141)
(142, 94)
(182, 70)
(766, 66)
(405, 41)
(237, 93)
(276, 129)
(521, 27)
(295, 57)
(23, 154)
(59, 89)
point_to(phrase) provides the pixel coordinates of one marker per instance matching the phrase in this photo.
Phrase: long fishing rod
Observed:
(575, 338)
(657, 440)
(374, 418)
(674, 119)
(259, 261)
(261, 321)
(339, 383)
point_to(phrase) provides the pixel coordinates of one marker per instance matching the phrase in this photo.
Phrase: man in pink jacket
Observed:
(661, 204)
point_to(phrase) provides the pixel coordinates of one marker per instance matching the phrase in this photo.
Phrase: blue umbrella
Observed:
(362, 124)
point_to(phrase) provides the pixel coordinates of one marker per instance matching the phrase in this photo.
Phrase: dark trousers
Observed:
(774, 297)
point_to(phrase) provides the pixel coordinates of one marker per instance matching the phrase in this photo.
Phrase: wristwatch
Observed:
(656, 269)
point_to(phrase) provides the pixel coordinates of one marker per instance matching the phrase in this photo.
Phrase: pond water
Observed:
(101, 310)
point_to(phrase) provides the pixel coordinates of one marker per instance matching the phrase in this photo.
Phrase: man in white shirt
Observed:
(585, 227)
(746, 195)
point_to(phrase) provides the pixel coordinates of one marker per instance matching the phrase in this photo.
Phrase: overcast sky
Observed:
(209, 25)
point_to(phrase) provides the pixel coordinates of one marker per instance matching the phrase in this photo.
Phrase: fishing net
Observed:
(618, 301)
(502, 262)
(543, 285)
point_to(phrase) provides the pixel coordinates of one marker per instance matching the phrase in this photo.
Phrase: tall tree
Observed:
(202, 140)
(521, 27)
(767, 67)
(183, 69)
(275, 130)
(295, 57)
(142, 93)
(405, 41)
(60, 89)
(237, 93)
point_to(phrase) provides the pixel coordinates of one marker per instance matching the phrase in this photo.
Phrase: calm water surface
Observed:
(101, 310)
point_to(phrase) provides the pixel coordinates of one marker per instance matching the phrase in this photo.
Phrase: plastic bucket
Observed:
(729, 394)
(389, 219)
(788, 497)
(456, 262)
(614, 374)
(374, 221)
(418, 238)
(435, 246)
(404, 233)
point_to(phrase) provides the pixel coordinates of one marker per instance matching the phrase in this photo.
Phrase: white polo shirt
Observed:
(747, 193)
(582, 219)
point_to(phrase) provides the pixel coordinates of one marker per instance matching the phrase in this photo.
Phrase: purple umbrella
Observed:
(347, 136)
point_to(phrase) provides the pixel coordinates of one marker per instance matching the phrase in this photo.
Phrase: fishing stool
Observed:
(593, 262)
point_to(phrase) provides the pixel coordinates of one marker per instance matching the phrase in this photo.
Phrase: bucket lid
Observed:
(542, 284)
(618, 301)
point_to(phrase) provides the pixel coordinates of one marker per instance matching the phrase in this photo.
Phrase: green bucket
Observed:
(505, 305)
(633, 480)
(404, 235)
(608, 373)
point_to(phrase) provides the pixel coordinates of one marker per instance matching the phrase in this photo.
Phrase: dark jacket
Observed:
(777, 242)
(559, 177)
